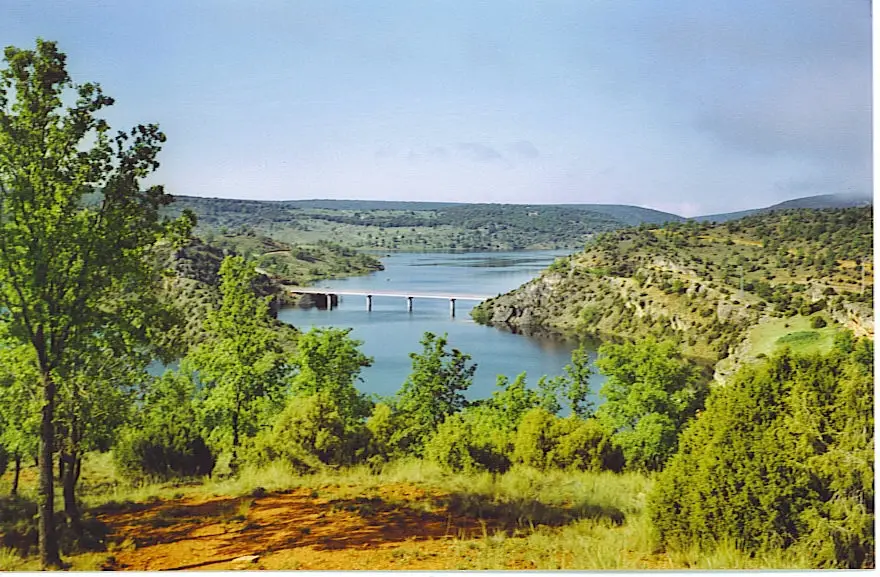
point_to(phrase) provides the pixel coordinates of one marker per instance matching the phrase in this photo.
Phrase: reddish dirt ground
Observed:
(394, 528)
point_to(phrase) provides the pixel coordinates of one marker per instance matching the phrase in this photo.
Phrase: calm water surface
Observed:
(390, 333)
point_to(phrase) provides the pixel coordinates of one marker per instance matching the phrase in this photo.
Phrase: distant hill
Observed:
(628, 214)
(417, 226)
(815, 202)
(428, 226)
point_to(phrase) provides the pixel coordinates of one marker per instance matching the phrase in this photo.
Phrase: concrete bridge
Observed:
(329, 294)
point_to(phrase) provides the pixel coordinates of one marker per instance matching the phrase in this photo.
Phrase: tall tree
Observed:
(241, 364)
(330, 362)
(434, 390)
(75, 227)
(95, 398)
(651, 392)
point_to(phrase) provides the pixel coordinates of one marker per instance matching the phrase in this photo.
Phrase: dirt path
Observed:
(396, 527)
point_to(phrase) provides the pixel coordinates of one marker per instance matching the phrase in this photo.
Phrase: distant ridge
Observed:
(815, 202)
(327, 203)
(625, 213)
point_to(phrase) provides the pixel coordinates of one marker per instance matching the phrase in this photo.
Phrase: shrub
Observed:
(310, 434)
(380, 427)
(818, 322)
(782, 458)
(165, 441)
(459, 446)
(545, 441)
(163, 452)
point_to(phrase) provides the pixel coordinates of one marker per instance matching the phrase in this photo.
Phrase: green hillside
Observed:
(193, 280)
(737, 289)
(415, 226)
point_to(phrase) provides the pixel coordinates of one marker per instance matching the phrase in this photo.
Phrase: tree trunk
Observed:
(233, 461)
(77, 468)
(48, 540)
(16, 475)
(68, 484)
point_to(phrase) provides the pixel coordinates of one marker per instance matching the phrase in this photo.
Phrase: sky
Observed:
(688, 106)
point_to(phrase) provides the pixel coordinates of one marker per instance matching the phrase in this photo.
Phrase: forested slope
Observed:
(417, 226)
(718, 289)
(192, 279)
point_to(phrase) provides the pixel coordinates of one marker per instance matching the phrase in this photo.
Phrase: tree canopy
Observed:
(75, 227)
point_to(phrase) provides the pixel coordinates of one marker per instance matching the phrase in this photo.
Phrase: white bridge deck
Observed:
(384, 293)
(329, 293)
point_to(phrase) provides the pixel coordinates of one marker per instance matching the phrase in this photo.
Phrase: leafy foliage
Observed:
(481, 436)
(433, 391)
(242, 366)
(650, 394)
(165, 440)
(75, 233)
(782, 457)
(309, 434)
(545, 441)
(330, 362)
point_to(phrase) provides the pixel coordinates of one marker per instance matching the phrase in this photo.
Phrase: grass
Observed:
(794, 332)
(799, 339)
(527, 519)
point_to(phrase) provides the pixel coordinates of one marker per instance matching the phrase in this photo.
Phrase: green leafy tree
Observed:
(75, 228)
(434, 389)
(330, 362)
(19, 407)
(650, 394)
(95, 398)
(577, 389)
(244, 372)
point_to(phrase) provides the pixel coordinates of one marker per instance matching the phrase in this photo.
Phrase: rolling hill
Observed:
(725, 291)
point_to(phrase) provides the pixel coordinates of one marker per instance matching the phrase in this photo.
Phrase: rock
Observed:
(246, 559)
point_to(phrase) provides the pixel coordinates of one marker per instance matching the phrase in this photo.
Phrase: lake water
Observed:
(390, 333)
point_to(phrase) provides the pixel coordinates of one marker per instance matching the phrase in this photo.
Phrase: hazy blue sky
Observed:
(688, 106)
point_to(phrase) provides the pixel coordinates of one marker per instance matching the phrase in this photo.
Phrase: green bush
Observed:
(165, 441)
(465, 443)
(818, 322)
(310, 434)
(545, 441)
(782, 458)
(380, 427)
(164, 452)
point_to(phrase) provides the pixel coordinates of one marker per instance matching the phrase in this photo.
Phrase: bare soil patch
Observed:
(394, 527)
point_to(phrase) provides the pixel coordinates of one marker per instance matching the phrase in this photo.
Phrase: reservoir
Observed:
(390, 333)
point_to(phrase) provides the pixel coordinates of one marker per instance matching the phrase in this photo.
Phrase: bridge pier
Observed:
(409, 304)
(329, 302)
(452, 308)
(369, 302)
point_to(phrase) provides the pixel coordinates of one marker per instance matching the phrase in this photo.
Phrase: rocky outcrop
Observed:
(858, 317)
(527, 306)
